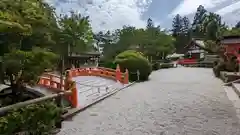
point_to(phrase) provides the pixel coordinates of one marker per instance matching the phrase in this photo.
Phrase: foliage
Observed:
(26, 67)
(107, 63)
(233, 31)
(26, 23)
(33, 119)
(181, 32)
(151, 41)
(156, 66)
(207, 26)
(219, 66)
(76, 32)
(237, 25)
(134, 62)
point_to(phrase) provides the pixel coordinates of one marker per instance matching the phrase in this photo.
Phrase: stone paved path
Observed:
(178, 101)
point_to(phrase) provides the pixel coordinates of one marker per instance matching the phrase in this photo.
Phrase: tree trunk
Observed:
(16, 90)
(1, 74)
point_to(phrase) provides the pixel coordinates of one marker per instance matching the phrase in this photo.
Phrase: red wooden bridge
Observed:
(91, 84)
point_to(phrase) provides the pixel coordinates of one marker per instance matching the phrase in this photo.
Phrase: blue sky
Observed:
(113, 14)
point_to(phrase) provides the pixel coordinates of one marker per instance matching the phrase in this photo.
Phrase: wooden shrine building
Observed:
(195, 49)
(75, 59)
(82, 59)
(230, 45)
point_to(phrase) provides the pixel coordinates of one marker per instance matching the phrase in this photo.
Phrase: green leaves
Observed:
(26, 67)
(151, 41)
(34, 119)
(134, 61)
(26, 23)
(77, 32)
(230, 32)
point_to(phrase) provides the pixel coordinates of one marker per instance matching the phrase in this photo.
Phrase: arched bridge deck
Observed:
(91, 84)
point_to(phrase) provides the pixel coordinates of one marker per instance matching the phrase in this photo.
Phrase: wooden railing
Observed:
(34, 101)
(52, 81)
(116, 75)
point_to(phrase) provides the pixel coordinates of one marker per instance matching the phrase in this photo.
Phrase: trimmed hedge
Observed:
(107, 64)
(134, 61)
(34, 119)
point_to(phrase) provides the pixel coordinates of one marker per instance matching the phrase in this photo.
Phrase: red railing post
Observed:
(74, 98)
(51, 81)
(126, 77)
(118, 74)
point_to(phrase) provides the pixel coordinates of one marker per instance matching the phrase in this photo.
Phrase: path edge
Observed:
(72, 112)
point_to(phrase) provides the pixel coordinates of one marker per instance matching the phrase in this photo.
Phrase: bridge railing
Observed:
(52, 81)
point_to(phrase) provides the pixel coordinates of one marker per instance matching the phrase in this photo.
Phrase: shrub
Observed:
(134, 61)
(220, 66)
(156, 66)
(32, 119)
(107, 64)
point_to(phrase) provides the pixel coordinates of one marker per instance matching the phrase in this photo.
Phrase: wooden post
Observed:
(74, 98)
(118, 73)
(62, 72)
(138, 75)
(51, 81)
(33, 101)
(126, 77)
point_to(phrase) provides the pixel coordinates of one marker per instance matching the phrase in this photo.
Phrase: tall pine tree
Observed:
(181, 32)
(185, 25)
(212, 25)
(150, 23)
(177, 25)
(237, 25)
(197, 29)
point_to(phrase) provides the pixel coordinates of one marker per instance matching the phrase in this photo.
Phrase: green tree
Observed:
(76, 33)
(24, 68)
(229, 32)
(150, 23)
(181, 32)
(237, 25)
(177, 26)
(151, 41)
(197, 28)
(26, 23)
(185, 26)
(211, 26)
(211, 45)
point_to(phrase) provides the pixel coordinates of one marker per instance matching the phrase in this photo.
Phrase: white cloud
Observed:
(109, 14)
(229, 9)
(187, 7)
(231, 13)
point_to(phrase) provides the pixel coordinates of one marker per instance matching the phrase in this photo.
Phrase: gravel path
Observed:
(178, 101)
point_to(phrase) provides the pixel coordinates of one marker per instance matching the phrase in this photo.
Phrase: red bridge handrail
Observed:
(52, 81)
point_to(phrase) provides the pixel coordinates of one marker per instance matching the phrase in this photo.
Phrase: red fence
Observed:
(187, 61)
(53, 81)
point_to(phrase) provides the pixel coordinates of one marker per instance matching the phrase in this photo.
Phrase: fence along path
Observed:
(90, 84)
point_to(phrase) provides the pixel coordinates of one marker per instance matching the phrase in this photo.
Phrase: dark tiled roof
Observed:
(198, 42)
